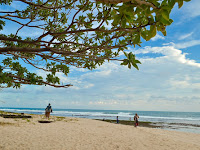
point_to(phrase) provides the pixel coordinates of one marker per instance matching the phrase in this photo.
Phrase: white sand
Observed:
(86, 134)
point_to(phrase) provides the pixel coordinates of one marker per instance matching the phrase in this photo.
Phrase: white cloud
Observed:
(187, 44)
(182, 37)
(89, 85)
(157, 37)
(192, 8)
(182, 45)
(171, 53)
(75, 69)
(168, 82)
(164, 77)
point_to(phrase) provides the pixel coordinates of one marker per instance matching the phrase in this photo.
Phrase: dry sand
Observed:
(86, 134)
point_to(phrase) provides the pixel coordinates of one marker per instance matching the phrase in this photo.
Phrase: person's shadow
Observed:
(44, 121)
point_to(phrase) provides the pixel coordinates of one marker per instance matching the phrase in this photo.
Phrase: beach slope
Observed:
(85, 134)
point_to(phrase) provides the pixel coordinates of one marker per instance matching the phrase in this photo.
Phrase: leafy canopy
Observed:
(78, 33)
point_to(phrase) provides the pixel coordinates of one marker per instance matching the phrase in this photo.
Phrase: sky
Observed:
(168, 79)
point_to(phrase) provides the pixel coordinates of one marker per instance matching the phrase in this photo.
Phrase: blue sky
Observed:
(168, 79)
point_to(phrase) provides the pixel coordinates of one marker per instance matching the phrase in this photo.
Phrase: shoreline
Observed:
(159, 125)
(131, 123)
(183, 127)
(87, 134)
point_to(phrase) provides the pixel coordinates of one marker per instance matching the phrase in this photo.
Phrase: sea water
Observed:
(181, 121)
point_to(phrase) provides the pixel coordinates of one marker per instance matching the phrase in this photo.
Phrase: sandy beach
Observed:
(86, 134)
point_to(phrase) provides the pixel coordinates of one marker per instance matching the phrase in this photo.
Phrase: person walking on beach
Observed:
(136, 117)
(117, 119)
(48, 110)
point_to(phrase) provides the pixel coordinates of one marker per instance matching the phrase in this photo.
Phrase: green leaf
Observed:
(153, 30)
(165, 14)
(144, 35)
(145, 21)
(135, 65)
(137, 62)
(136, 39)
(171, 3)
(2, 23)
(125, 62)
(165, 22)
(123, 22)
(129, 66)
(164, 32)
(180, 3)
(117, 18)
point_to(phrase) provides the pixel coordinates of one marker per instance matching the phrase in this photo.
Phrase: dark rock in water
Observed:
(16, 116)
(131, 123)
(44, 121)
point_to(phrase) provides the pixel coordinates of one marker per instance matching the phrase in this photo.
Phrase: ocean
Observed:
(180, 121)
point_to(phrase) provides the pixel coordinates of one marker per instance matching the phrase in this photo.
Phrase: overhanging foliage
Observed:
(78, 33)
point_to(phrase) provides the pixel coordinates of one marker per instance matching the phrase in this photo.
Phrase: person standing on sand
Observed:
(48, 110)
(136, 117)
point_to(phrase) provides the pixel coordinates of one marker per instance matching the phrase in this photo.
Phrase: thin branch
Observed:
(19, 22)
(102, 30)
(15, 16)
(40, 82)
(4, 38)
(22, 27)
(23, 49)
(35, 65)
(140, 2)
(54, 37)
(42, 6)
